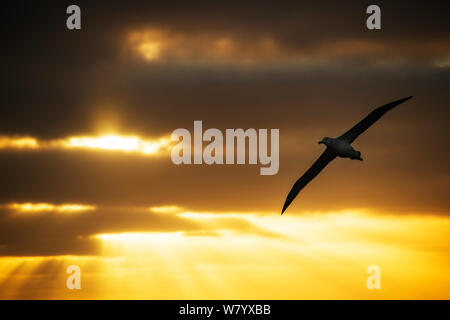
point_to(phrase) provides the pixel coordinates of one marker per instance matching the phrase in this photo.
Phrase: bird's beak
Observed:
(319, 142)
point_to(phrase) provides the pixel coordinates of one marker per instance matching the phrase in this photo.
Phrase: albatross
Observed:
(339, 147)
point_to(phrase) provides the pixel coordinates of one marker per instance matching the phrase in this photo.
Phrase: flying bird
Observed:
(339, 147)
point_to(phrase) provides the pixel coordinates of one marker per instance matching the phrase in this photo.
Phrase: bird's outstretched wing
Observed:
(320, 163)
(365, 123)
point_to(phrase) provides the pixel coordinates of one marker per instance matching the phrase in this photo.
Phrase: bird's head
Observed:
(324, 141)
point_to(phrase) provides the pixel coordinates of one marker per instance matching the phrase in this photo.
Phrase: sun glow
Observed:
(118, 143)
(109, 142)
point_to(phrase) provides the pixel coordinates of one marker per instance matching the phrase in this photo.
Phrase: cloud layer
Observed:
(308, 69)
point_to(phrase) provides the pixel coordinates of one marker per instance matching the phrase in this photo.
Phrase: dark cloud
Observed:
(56, 80)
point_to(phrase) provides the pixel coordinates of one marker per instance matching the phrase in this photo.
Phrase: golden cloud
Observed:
(18, 143)
(29, 207)
(111, 142)
(159, 45)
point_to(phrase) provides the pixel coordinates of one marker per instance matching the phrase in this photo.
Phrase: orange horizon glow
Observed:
(312, 256)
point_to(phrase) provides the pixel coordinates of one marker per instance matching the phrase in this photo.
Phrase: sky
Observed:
(86, 175)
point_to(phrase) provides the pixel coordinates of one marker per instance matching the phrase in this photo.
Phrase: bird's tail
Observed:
(288, 201)
(286, 204)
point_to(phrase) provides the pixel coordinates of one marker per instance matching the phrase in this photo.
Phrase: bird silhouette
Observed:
(339, 147)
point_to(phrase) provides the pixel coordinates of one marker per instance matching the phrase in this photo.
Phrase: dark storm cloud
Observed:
(55, 79)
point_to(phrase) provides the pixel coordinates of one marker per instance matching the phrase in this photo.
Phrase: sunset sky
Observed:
(87, 179)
